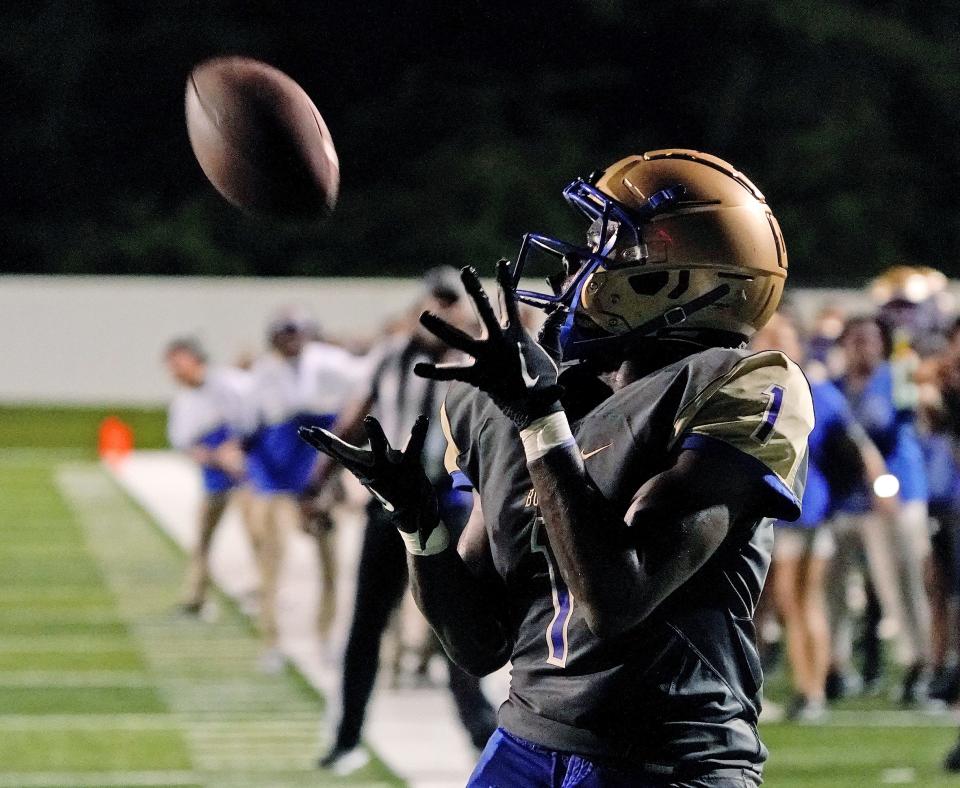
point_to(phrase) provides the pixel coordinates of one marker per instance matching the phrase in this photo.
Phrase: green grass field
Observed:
(100, 684)
(44, 426)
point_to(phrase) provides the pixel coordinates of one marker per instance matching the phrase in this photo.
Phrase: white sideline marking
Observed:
(84, 779)
(79, 678)
(63, 643)
(901, 776)
(892, 718)
(44, 722)
(157, 778)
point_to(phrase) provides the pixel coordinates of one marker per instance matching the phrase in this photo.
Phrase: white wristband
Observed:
(436, 543)
(545, 434)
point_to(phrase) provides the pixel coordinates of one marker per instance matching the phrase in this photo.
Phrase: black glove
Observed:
(549, 335)
(517, 373)
(395, 478)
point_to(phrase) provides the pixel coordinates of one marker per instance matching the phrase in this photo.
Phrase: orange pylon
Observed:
(115, 440)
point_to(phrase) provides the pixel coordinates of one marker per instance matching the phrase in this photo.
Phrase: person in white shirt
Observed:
(298, 383)
(205, 422)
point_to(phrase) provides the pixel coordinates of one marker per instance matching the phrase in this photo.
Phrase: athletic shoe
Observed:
(813, 712)
(802, 709)
(945, 685)
(840, 685)
(952, 762)
(914, 687)
(342, 762)
(190, 609)
(271, 662)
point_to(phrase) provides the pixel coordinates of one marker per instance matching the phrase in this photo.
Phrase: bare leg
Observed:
(327, 604)
(912, 540)
(265, 537)
(818, 629)
(788, 603)
(847, 535)
(198, 575)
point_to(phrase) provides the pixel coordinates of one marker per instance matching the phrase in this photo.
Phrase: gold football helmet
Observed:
(909, 283)
(680, 245)
(914, 301)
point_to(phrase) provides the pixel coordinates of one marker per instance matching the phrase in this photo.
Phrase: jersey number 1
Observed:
(557, 641)
(774, 403)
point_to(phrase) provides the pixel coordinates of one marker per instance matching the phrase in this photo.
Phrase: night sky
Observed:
(458, 124)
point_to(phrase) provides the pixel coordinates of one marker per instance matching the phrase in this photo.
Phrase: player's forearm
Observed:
(462, 611)
(589, 541)
(620, 575)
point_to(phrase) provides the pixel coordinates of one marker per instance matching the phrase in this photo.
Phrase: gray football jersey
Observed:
(684, 686)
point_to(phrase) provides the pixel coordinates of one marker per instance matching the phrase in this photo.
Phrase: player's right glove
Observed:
(395, 478)
(508, 364)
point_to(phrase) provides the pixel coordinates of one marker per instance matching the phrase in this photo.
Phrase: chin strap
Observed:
(679, 314)
(672, 317)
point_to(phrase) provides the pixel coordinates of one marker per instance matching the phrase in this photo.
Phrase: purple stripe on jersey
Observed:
(462, 482)
(770, 417)
(560, 623)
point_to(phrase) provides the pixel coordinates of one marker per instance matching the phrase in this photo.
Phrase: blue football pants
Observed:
(511, 762)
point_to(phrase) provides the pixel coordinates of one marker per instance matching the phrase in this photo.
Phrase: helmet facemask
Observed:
(614, 242)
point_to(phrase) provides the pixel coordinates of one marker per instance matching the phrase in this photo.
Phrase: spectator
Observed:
(205, 421)
(840, 454)
(940, 401)
(896, 542)
(298, 382)
(914, 304)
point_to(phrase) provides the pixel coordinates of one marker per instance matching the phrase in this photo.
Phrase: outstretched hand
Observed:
(395, 478)
(508, 364)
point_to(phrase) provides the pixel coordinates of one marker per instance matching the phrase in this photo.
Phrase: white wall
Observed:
(98, 340)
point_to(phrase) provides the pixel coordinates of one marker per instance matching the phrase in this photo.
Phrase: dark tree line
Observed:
(457, 125)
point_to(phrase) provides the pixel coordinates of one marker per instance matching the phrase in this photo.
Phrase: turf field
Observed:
(76, 427)
(101, 685)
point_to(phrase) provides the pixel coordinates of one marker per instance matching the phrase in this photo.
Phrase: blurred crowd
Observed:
(862, 596)
(863, 591)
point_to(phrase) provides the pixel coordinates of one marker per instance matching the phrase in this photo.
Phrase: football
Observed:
(260, 140)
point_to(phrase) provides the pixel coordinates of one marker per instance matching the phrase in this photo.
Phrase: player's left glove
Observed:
(395, 478)
(508, 364)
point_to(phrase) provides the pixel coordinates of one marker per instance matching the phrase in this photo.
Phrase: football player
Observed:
(615, 560)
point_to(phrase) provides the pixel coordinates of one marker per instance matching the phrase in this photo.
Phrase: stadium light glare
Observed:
(886, 485)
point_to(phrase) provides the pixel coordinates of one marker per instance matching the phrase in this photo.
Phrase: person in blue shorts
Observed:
(205, 422)
(298, 382)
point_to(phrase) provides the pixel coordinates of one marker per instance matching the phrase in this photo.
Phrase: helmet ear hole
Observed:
(649, 284)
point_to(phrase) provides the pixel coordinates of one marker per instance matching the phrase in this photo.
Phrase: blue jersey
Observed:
(832, 416)
(208, 416)
(280, 461)
(893, 432)
(308, 390)
(216, 480)
(941, 467)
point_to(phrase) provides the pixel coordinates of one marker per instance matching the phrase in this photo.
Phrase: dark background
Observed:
(458, 123)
